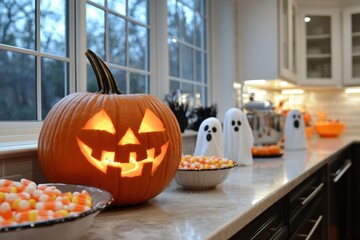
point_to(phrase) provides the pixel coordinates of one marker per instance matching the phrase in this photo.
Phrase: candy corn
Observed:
(25, 201)
(204, 162)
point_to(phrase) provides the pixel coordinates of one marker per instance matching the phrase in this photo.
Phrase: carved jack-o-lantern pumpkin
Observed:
(129, 145)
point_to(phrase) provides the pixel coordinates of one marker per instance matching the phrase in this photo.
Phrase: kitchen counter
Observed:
(217, 213)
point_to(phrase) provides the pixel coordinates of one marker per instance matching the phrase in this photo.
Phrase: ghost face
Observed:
(296, 120)
(209, 140)
(209, 131)
(236, 125)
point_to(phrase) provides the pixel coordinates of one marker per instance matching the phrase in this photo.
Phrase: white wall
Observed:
(222, 70)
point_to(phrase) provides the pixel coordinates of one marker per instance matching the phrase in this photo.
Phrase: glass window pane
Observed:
(53, 27)
(138, 10)
(17, 21)
(190, 3)
(118, 6)
(199, 66)
(117, 40)
(186, 20)
(200, 94)
(187, 88)
(173, 19)
(174, 85)
(120, 77)
(100, 2)
(174, 63)
(187, 62)
(199, 6)
(17, 86)
(53, 83)
(139, 83)
(91, 83)
(199, 31)
(138, 46)
(95, 28)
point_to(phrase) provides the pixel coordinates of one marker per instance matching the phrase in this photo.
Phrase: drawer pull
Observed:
(312, 194)
(339, 173)
(313, 229)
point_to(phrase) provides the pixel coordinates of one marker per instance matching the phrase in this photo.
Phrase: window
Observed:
(187, 48)
(35, 65)
(40, 61)
(118, 32)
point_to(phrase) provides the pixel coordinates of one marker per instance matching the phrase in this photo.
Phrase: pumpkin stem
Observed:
(105, 79)
(103, 85)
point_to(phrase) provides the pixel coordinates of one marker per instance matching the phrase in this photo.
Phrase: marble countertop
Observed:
(221, 212)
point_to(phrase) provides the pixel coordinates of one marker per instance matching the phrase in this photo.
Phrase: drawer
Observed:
(313, 226)
(303, 197)
(272, 224)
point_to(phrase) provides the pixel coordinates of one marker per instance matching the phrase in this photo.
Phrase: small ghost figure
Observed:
(209, 139)
(295, 136)
(238, 137)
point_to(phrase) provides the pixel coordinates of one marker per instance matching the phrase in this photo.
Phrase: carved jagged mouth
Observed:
(132, 168)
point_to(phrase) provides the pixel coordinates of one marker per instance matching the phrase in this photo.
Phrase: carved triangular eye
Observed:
(101, 122)
(151, 123)
(129, 138)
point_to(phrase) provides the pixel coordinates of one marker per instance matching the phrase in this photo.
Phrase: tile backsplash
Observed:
(25, 166)
(335, 103)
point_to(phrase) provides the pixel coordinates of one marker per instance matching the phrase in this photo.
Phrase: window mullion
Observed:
(38, 63)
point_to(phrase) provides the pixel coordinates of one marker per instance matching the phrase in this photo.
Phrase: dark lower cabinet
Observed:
(340, 197)
(325, 206)
(307, 208)
(270, 225)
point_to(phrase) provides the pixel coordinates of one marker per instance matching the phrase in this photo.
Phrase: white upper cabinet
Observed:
(267, 39)
(351, 43)
(319, 47)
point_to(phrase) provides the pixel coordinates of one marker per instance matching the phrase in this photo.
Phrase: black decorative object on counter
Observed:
(200, 114)
(179, 108)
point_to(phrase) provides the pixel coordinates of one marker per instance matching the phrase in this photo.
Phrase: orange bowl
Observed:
(329, 129)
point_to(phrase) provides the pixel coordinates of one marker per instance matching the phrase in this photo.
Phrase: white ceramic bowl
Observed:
(202, 179)
(72, 227)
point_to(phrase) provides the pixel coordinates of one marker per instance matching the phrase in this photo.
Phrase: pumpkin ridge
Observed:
(57, 113)
(65, 131)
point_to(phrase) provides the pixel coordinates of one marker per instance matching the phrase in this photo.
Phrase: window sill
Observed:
(17, 149)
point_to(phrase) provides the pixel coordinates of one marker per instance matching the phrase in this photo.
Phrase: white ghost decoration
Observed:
(295, 136)
(209, 139)
(238, 137)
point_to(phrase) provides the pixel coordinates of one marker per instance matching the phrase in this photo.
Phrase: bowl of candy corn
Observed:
(203, 172)
(48, 211)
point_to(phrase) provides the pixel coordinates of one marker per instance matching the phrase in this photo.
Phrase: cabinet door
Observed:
(351, 43)
(270, 225)
(288, 39)
(307, 208)
(320, 59)
(340, 225)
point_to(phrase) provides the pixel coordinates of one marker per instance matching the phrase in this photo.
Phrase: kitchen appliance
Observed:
(267, 126)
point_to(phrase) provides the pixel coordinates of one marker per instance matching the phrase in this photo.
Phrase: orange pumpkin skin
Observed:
(66, 130)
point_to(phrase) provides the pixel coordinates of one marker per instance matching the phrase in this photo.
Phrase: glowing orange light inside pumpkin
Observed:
(102, 122)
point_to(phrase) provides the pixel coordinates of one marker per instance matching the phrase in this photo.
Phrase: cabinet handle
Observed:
(339, 173)
(312, 194)
(313, 229)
